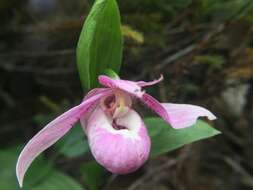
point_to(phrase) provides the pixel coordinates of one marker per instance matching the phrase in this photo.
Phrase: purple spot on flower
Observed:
(117, 126)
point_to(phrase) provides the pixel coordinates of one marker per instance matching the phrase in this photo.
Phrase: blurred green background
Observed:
(204, 49)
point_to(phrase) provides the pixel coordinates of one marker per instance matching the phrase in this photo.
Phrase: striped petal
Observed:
(125, 85)
(131, 87)
(177, 115)
(50, 134)
(150, 83)
(185, 115)
(156, 106)
(96, 91)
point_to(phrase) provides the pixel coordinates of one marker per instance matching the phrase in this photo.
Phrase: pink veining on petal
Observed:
(180, 116)
(120, 151)
(105, 91)
(185, 115)
(156, 106)
(177, 115)
(50, 134)
(143, 83)
(125, 85)
(96, 91)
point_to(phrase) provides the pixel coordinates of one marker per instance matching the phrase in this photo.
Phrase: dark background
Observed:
(204, 49)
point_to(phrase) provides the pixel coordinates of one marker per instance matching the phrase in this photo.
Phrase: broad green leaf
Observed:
(7, 163)
(74, 143)
(7, 171)
(93, 174)
(164, 138)
(57, 180)
(8, 184)
(100, 42)
(40, 175)
(8, 158)
(38, 171)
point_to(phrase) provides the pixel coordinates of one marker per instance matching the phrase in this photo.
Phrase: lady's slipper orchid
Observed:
(117, 135)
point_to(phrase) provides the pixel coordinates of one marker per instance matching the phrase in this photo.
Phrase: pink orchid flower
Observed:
(117, 135)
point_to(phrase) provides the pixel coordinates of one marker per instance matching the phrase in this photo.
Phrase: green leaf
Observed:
(8, 158)
(111, 74)
(93, 174)
(7, 172)
(40, 175)
(164, 138)
(57, 180)
(7, 184)
(74, 143)
(100, 42)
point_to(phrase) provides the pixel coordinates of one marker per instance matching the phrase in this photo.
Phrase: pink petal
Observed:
(143, 83)
(131, 87)
(185, 115)
(120, 151)
(156, 106)
(177, 115)
(96, 91)
(93, 92)
(50, 134)
(125, 85)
